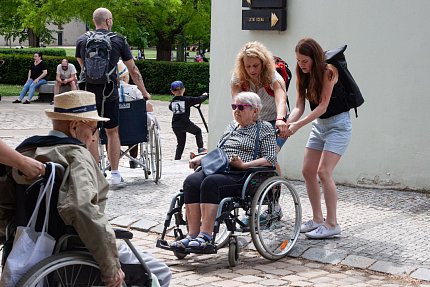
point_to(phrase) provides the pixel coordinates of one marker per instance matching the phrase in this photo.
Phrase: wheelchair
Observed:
(132, 117)
(269, 202)
(71, 263)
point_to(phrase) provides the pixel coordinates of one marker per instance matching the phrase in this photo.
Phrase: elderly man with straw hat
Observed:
(83, 193)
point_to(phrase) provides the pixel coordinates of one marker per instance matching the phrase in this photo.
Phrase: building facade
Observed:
(64, 35)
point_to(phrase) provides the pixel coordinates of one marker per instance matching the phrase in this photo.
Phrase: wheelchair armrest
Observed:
(123, 234)
(261, 168)
(252, 170)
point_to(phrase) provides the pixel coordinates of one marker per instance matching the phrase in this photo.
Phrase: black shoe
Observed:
(133, 164)
(26, 102)
(16, 102)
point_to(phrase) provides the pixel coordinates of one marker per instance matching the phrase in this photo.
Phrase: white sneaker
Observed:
(309, 226)
(117, 181)
(323, 232)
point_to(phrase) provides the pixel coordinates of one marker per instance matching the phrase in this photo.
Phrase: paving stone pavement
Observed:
(383, 240)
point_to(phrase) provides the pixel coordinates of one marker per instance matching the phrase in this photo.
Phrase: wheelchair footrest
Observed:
(208, 249)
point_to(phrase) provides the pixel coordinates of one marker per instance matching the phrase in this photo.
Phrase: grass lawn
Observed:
(14, 90)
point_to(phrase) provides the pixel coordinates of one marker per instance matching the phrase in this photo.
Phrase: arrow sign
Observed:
(264, 19)
(273, 20)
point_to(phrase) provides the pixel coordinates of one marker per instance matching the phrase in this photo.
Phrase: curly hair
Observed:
(310, 84)
(259, 51)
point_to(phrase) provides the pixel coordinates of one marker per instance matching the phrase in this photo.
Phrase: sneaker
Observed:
(274, 215)
(16, 101)
(117, 181)
(309, 226)
(26, 102)
(202, 150)
(323, 232)
(266, 217)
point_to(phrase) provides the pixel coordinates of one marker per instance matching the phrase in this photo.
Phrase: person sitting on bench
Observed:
(66, 76)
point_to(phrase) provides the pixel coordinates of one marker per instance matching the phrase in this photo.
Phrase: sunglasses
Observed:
(240, 107)
(93, 129)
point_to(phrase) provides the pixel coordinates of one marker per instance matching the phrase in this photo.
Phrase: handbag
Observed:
(29, 246)
(216, 161)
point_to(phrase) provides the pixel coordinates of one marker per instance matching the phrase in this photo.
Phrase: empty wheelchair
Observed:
(136, 131)
(268, 207)
(71, 263)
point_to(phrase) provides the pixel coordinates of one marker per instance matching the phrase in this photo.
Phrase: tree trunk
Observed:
(164, 50)
(33, 39)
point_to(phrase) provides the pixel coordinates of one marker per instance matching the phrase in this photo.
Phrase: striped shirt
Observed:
(241, 142)
(268, 112)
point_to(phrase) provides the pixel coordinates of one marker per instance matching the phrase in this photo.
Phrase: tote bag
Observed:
(29, 246)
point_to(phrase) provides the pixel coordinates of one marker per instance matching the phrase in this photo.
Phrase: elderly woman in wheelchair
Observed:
(211, 200)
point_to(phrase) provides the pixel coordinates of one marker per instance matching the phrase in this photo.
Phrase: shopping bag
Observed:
(29, 246)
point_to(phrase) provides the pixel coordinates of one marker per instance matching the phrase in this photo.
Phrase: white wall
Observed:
(388, 43)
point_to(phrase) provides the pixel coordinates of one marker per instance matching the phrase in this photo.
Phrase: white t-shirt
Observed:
(66, 74)
(128, 93)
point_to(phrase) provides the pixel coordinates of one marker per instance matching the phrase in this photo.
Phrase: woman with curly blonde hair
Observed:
(255, 71)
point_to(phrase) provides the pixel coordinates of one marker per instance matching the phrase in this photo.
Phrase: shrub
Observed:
(30, 51)
(157, 75)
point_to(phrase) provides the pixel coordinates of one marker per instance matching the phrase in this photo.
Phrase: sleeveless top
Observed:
(268, 112)
(337, 102)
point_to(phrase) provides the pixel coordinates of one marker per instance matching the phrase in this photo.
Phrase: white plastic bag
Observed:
(29, 246)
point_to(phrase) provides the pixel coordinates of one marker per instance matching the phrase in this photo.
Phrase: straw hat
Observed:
(75, 106)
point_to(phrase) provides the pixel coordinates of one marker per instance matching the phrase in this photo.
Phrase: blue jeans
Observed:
(30, 87)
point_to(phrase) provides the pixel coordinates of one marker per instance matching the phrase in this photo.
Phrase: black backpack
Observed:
(352, 94)
(97, 57)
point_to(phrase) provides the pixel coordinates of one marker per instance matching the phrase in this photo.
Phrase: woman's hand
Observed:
(31, 168)
(237, 163)
(282, 127)
(195, 162)
(292, 128)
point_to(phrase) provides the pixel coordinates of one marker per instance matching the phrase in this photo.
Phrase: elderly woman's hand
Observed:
(237, 162)
(195, 162)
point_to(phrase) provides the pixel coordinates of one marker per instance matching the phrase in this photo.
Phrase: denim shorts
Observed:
(332, 134)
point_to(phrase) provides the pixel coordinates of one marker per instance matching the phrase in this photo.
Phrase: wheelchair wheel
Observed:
(233, 251)
(64, 269)
(275, 218)
(154, 152)
(144, 158)
(179, 254)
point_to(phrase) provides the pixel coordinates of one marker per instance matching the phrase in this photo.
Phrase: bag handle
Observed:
(226, 138)
(47, 190)
(256, 144)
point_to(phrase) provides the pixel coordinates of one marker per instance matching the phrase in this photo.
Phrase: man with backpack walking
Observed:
(98, 53)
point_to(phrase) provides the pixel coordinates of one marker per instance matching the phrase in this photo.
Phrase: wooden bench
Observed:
(46, 91)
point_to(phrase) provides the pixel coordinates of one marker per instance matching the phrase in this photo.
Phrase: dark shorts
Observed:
(111, 103)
